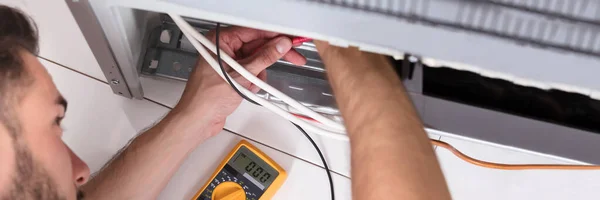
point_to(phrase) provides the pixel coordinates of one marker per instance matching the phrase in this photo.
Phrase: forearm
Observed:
(144, 168)
(391, 154)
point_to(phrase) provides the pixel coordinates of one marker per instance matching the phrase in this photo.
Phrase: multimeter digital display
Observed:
(245, 174)
(253, 168)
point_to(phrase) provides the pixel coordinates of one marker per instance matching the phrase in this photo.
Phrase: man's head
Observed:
(34, 162)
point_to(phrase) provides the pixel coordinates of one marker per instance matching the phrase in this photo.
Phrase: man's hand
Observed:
(208, 99)
(144, 168)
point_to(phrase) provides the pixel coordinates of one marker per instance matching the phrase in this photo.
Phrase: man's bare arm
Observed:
(391, 153)
(145, 167)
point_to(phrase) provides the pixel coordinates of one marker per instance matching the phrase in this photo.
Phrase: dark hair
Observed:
(18, 33)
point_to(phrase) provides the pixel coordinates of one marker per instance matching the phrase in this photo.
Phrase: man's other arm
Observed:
(391, 154)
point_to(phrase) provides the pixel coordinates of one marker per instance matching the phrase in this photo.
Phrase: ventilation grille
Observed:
(568, 25)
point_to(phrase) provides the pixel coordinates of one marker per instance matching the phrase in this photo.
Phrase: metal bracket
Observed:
(94, 35)
(413, 68)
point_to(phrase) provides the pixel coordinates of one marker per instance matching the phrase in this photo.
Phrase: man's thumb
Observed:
(268, 54)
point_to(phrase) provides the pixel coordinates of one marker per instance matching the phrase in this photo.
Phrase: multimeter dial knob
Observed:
(229, 191)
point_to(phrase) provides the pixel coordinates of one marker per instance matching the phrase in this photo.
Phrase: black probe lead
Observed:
(251, 101)
(322, 159)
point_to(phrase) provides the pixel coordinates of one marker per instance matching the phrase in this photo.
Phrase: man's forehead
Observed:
(40, 76)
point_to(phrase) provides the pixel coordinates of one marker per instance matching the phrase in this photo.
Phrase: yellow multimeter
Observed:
(245, 174)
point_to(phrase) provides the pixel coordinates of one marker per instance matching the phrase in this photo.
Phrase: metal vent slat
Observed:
(574, 28)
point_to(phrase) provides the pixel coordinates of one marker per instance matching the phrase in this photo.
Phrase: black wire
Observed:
(322, 159)
(223, 69)
(251, 101)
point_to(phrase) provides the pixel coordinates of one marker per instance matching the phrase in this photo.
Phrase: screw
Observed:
(413, 59)
(115, 82)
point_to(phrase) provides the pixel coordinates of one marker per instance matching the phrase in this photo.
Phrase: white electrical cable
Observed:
(214, 64)
(336, 126)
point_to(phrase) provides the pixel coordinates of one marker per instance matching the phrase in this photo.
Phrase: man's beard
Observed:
(31, 180)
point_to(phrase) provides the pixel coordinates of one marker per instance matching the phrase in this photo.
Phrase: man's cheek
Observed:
(7, 161)
(49, 151)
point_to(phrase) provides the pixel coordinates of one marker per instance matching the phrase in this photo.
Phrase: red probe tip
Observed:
(299, 40)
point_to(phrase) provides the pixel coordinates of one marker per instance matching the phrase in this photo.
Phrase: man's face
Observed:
(34, 162)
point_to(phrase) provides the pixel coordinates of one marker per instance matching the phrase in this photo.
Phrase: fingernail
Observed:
(283, 45)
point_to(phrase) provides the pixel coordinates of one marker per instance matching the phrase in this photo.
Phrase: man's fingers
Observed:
(254, 89)
(268, 54)
(294, 57)
(236, 36)
(263, 75)
(248, 34)
(251, 47)
(227, 43)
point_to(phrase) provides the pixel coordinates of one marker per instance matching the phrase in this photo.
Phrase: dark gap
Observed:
(554, 106)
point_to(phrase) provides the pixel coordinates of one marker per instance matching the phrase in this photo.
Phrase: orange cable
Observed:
(510, 166)
(492, 165)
